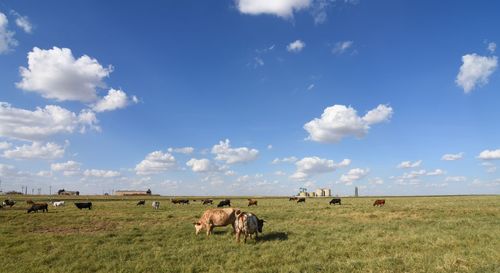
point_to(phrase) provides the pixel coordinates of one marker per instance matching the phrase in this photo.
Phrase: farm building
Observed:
(318, 193)
(132, 192)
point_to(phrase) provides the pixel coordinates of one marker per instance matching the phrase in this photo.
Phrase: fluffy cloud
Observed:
(281, 8)
(290, 159)
(201, 165)
(310, 166)
(296, 46)
(435, 172)
(452, 157)
(5, 145)
(183, 150)
(456, 179)
(489, 155)
(68, 168)
(376, 181)
(155, 162)
(101, 173)
(22, 22)
(224, 152)
(475, 71)
(492, 47)
(342, 47)
(354, 175)
(409, 164)
(115, 99)
(36, 150)
(43, 122)
(7, 41)
(56, 74)
(340, 121)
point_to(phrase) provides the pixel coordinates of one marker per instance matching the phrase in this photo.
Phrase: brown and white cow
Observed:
(215, 218)
(247, 224)
(379, 202)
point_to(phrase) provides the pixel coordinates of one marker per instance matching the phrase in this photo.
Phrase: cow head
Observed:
(260, 224)
(197, 226)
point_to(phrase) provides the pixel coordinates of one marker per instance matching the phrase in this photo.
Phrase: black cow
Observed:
(208, 201)
(335, 201)
(44, 207)
(301, 200)
(9, 203)
(180, 201)
(223, 203)
(141, 203)
(292, 198)
(86, 205)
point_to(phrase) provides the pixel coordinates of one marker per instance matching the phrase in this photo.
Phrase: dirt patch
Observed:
(87, 228)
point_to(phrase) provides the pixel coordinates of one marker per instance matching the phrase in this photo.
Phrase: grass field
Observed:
(409, 234)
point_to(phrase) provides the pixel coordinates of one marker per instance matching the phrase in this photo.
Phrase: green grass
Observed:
(409, 234)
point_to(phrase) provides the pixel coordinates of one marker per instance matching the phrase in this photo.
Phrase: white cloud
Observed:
(36, 150)
(310, 166)
(339, 121)
(310, 87)
(269, 147)
(224, 152)
(43, 122)
(354, 175)
(7, 41)
(489, 155)
(281, 8)
(44, 174)
(296, 46)
(435, 172)
(456, 179)
(342, 47)
(155, 162)
(22, 22)
(258, 61)
(290, 159)
(115, 99)
(101, 173)
(376, 181)
(201, 165)
(492, 47)
(279, 173)
(409, 164)
(56, 74)
(452, 157)
(182, 150)
(475, 71)
(68, 168)
(5, 145)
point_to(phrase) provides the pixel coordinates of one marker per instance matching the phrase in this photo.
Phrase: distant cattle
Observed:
(58, 204)
(9, 203)
(141, 203)
(247, 224)
(223, 203)
(208, 201)
(379, 202)
(215, 218)
(65, 192)
(180, 201)
(301, 200)
(39, 206)
(335, 201)
(252, 202)
(84, 205)
(293, 198)
(155, 204)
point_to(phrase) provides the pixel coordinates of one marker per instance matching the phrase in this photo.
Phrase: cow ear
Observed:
(238, 212)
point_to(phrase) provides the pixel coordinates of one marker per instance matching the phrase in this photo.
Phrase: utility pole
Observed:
(50, 190)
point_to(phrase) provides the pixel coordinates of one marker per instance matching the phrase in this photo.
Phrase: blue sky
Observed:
(250, 97)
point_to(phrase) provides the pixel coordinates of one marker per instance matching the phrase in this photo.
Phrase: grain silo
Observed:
(319, 192)
(327, 192)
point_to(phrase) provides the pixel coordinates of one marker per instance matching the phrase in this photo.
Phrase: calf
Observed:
(39, 206)
(141, 203)
(208, 201)
(84, 205)
(335, 201)
(223, 203)
(58, 204)
(215, 218)
(155, 204)
(301, 200)
(252, 202)
(9, 203)
(379, 202)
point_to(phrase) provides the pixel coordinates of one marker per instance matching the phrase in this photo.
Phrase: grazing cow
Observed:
(39, 206)
(292, 198)
(84, 205)
(9, 203)
(252, 202)
(379, 202)
(58, 204)
(156, 204)
(180, 201)
(208, 201)
(223, 203)
(215, 218)
(248, 224)
(335, 201)
(141, 203)
(301, 200)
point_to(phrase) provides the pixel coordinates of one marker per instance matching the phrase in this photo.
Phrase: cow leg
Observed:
(246, 235)
(234, 228)
(238, 237)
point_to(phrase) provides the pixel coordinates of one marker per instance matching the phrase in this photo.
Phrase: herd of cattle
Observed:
(243, 223)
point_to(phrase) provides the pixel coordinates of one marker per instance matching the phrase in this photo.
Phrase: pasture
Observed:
(408, 234)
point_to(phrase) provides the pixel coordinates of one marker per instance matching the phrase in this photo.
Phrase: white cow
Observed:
(156, 204)
(58, 204)
(248, 224)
